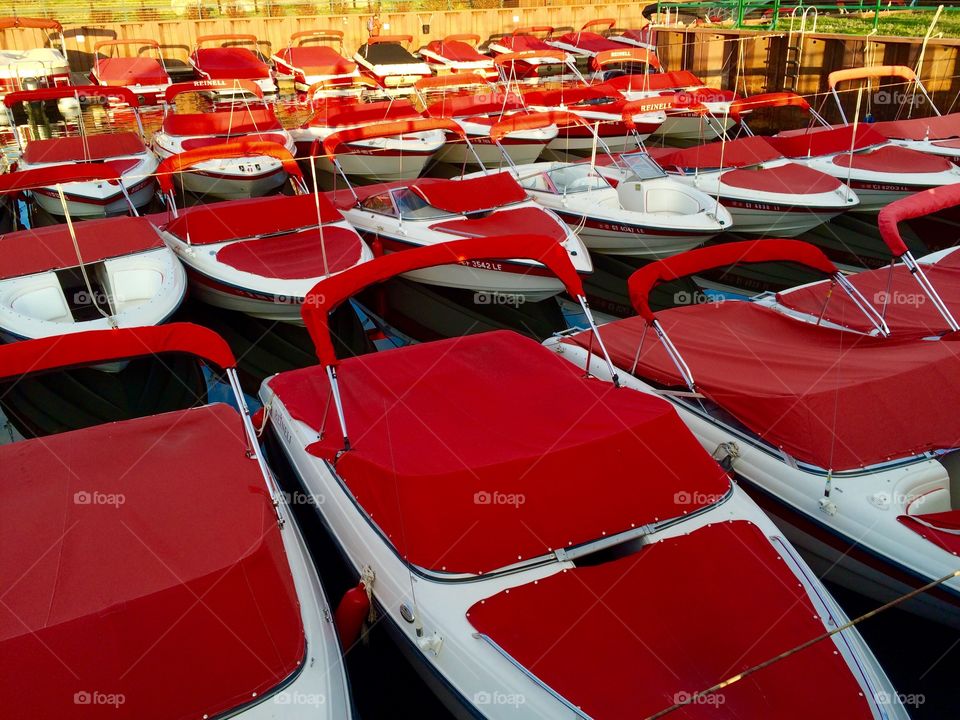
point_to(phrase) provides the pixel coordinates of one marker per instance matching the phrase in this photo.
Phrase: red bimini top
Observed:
(122, 71)
(101, 146)
(233, 219)
(111, 538)
(437, 426)
(941, 127)
(228, 63)
(589, 42)
(456, 51)
(317, 60)
(614, 639)
(817, 393)
(345, 114)
(906, 309)
(40, 249)
(243, 120)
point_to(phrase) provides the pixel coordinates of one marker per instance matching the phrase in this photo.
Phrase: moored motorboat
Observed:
(183, 563)
(402, 215)
(477, 106)
(252, 121)
(145, 76)
(258, 256)
(764, 192)
(795, 406)
(230, 62)
(858, 156)
(481, 596)
(647, 214)
(308, 65)
(586, 43)
(112, 272)
(458, 54)
(122, 151)
(35, 67)
(387, 62)
(382, 151)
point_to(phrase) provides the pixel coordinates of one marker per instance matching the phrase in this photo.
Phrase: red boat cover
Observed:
(296, 255)
(737, 153)
(914, 206)
(240, 121)
(791, 178)
(614, 639)
(473, 104)
(456, 51)
(317, 60)
(343, 114)
(98, 346)
(572, 96)
(589, 42)
(83, 93)
(101, 146)
(233, 219)
(941, 127)
(826, 141)
(942, 529)
(503, 222)
(523, 43)
(131, 71)
(894, 159)
(138, 557)
(821, 395)
(895, 293)
(227, 63)
(40, 249)
(435, 426)
(484, 192)
(673, 80)
(47, 175)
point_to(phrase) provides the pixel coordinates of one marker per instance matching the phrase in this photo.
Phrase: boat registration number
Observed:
(250, 168)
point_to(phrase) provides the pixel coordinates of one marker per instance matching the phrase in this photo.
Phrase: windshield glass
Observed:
(414, 207)
(642, 165)
(568, 179)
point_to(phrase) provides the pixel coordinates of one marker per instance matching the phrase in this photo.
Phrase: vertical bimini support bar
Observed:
(596, 333)
(875, 318)
(675, 355)
(253, 448)
(338, 402)
(914, 267)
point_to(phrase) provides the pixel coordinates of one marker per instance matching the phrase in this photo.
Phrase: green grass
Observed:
(901, 24)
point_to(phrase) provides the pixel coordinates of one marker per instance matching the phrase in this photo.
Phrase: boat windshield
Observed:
(567, 179)
(642, 165)
(414, 207)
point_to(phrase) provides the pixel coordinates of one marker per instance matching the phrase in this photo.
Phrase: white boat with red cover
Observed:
(857, 155)
(539, 470)
(182, 568)
(586, 42)
(43, 67)
(318, 65)
(259, 256)
(477, 106)
(252, 121)
(812, 417)
(106, 273)
(230, 61)
(146, 76)
(458, 54)
(402, 215)
(122, 152)
(647, 215)
(764, 192)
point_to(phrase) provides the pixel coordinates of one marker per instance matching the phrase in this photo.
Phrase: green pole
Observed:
(876, 15)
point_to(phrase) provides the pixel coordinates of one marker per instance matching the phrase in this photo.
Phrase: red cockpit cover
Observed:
(459, 482)
(818, 393)
(613, 639)
(736, 153)
(940, 127)
(101, 146)
(484, 192)
(227, 63)
(826, 141)
(40, 249)
(142, 561)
